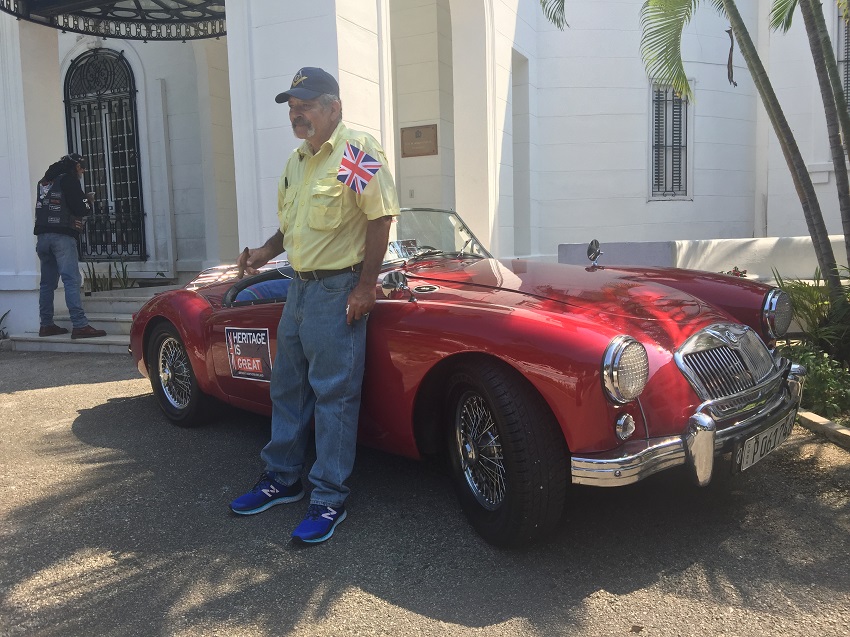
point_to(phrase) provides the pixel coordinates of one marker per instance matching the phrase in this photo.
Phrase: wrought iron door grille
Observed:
(669, 143)
(100, 107)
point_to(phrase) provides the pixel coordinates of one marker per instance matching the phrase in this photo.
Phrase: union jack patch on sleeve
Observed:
(357, 168)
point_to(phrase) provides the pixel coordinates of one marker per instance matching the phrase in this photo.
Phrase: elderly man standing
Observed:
(336, 201)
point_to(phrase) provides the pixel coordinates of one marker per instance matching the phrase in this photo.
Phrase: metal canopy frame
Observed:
(126, 19)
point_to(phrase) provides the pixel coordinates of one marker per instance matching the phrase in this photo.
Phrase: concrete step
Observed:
(114, 324)
(110, 311)
(32, 342)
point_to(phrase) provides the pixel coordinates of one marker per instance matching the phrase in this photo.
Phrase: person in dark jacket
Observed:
(59, 210)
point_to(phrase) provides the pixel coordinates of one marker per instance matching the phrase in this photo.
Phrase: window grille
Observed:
(100, 112)
(669, 143)
(843, 52)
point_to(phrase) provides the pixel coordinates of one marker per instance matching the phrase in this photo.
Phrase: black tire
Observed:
(173, 380)
(509, 461)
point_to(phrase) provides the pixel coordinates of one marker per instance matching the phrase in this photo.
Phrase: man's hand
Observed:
(250, 261)
(360, 301)
(77, 223)
(362, 298)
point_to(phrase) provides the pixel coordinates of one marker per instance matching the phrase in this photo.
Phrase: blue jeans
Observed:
(317, 376)
(58, 256)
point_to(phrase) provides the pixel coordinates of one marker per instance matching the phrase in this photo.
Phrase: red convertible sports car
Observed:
(527, 376)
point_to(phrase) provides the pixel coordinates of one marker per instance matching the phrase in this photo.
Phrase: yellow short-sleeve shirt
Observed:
(322, 219)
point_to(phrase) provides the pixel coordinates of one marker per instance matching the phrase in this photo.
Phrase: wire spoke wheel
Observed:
(175, 374)
(172, 379)
(480, 451)
(508, 457)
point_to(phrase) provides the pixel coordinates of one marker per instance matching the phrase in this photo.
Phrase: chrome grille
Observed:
(725, 360)
(721, 370)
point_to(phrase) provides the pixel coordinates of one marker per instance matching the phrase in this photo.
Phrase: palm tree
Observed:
(663, 22)
(832, 93)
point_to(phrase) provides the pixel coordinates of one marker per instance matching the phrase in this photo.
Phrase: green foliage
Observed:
(827, 391)
(3, 332)
(555, 12)
(109, 280)
(823, 325)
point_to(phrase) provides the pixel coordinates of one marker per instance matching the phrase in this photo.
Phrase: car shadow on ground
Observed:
(141, 530)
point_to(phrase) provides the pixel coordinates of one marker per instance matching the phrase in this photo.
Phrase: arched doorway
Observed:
(102, 125)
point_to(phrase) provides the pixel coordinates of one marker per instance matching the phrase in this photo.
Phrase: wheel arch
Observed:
(199, 365)
(428, 407)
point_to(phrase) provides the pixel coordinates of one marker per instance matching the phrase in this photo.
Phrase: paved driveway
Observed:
(114, 522)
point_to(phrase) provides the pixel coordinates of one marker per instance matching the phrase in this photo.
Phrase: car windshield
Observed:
(422, 232)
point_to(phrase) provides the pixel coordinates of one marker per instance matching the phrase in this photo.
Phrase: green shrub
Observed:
(3, 332)
(827, 391)
(823, 325)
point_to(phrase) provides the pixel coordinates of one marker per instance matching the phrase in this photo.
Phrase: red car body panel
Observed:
(550, 322)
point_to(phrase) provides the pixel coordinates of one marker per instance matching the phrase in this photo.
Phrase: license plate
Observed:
(760, 445)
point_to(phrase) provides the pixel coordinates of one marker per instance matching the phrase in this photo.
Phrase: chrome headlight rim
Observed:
(611, 360)
(775, 300)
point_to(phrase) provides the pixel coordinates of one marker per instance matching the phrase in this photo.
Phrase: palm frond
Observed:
(555, 12)
(662, 23)
(781, 14)
(843, 9)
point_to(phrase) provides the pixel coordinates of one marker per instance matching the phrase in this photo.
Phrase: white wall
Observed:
(422, 55)
(793, 77)
(594, 120)
(268, 41)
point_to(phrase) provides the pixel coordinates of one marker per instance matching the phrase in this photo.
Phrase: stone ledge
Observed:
(836, 433)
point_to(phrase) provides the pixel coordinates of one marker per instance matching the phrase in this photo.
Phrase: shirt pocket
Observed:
(326, 205)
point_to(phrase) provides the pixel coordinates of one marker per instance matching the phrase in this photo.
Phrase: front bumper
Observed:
(697, 447)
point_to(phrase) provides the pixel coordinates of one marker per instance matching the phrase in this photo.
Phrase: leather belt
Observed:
(316, 275)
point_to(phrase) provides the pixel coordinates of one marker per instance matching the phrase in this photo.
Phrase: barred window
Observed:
(669, 143)
(843, 52)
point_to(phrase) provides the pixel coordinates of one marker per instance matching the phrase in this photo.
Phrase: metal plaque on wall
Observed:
(418, 141)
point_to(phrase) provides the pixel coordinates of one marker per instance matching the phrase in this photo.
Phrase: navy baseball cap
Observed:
(308, 84)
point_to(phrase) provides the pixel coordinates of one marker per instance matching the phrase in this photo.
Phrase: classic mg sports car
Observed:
(527, 376)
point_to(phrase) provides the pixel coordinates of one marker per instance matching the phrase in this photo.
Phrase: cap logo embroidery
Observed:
(298, 79)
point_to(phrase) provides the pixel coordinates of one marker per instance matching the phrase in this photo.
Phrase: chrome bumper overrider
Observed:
(696, 447)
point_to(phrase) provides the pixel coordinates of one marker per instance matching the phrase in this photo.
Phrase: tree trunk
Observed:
(799, 173)
(834, 104)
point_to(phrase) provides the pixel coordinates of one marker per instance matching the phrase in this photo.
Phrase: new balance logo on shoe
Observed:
(319, 523)
(271, 490)
(267, 492)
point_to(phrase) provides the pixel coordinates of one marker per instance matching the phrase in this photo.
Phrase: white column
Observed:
(474, 116)
(32, 136)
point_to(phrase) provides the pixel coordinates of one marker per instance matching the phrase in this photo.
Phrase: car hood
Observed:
(629, 293)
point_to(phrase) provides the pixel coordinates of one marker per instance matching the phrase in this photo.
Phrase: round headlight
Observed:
(777, 313)
(625, 369)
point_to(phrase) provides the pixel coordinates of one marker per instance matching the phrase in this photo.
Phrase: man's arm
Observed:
(362, 298)
(250, 261)
(74, 197)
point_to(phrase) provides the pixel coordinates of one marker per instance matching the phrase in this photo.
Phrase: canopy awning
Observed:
(126, 19)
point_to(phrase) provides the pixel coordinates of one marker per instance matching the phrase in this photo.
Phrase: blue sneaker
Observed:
(319, 523)
(265, 494)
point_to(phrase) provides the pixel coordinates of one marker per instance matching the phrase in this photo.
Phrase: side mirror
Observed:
(593, 251)
(395, 281)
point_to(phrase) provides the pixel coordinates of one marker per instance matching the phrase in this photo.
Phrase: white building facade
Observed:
(543, 136)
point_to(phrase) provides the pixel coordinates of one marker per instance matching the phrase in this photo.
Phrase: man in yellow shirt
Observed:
(336, 201)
